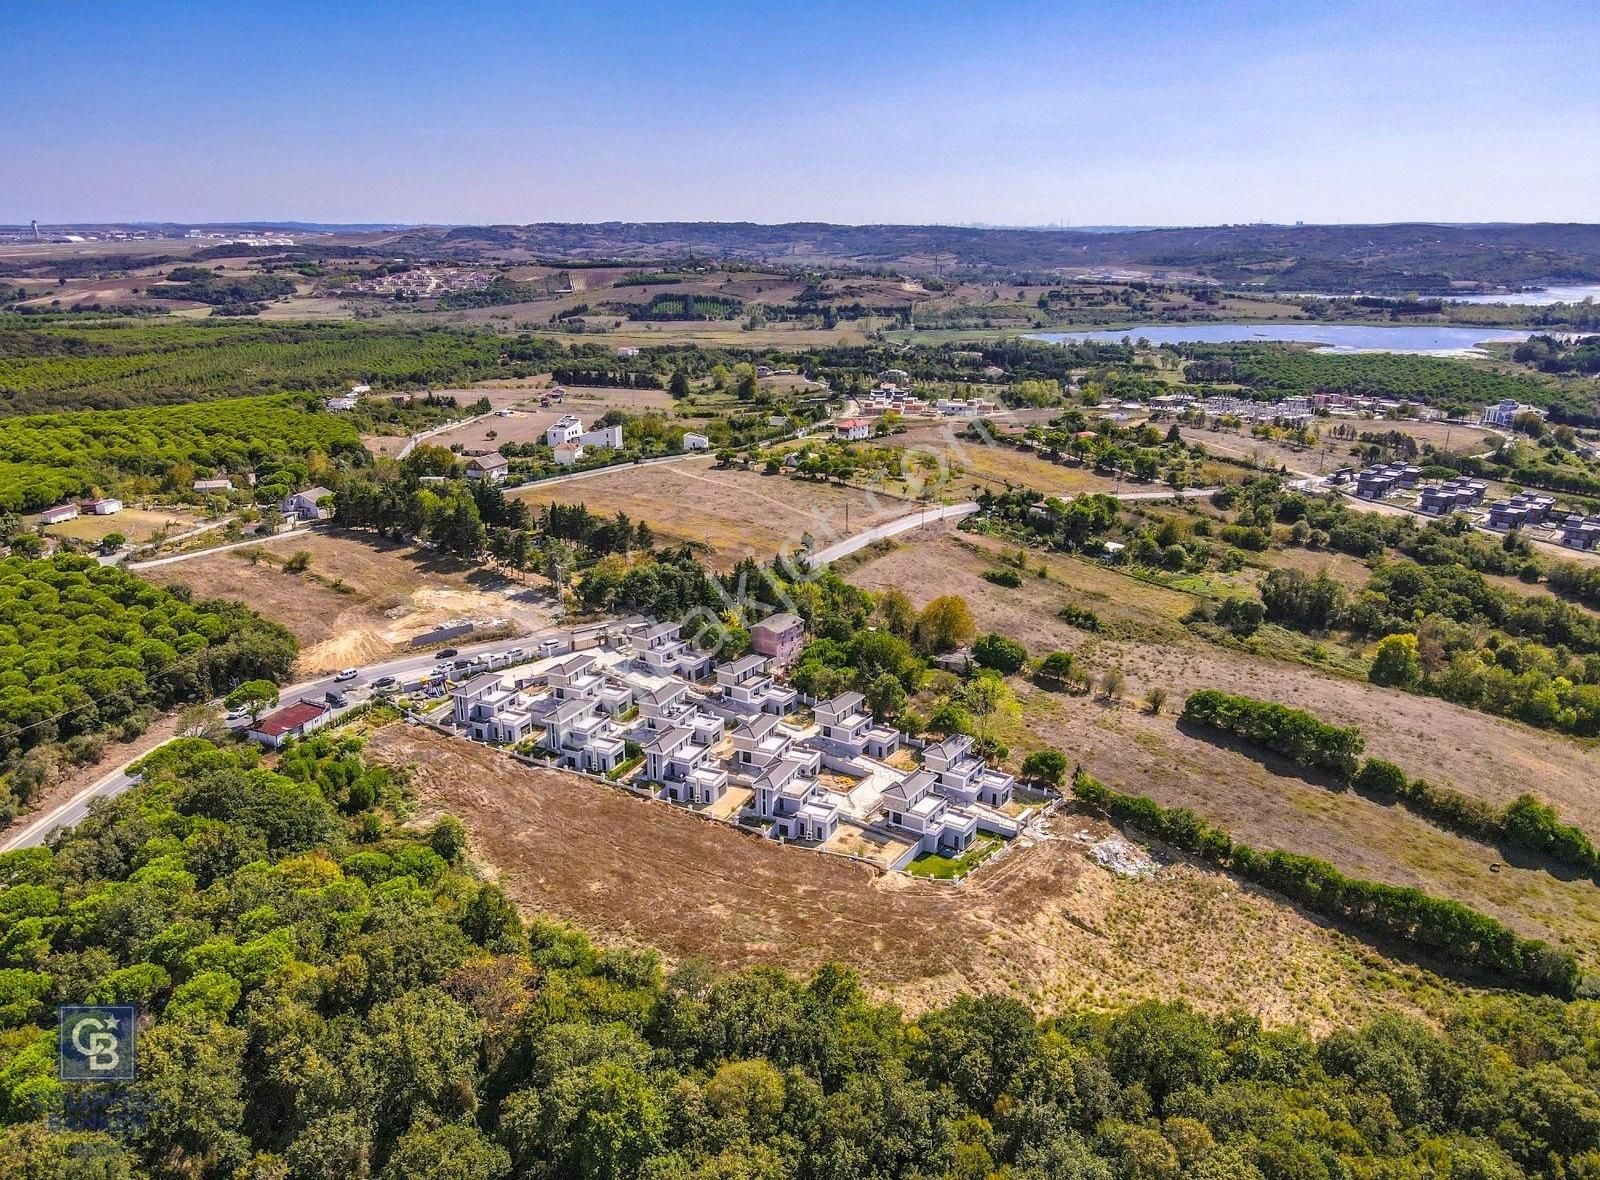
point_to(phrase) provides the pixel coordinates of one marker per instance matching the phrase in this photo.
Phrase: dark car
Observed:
(446, 654)
(384, 682)
(337, 699)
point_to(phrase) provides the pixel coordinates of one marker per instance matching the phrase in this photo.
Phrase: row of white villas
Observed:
(684, 714)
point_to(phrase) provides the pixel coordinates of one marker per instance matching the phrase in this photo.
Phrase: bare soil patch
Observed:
(361, 598)
(736, 513)
(1042, 923)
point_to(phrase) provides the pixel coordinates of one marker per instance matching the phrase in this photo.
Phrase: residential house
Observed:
(779, 637)
(306, 505)
(846, 729)
(747, 687)
(679, 763)
(963, 777)
(602, 436)
(58, 514)
(105, 506)
(492, 468)
(568, 453)
(762, 741)
(1581, 532)
(1505, 515)
(657, 648)
(564, 429)
(917, 806)
(490, 711)
(853, 429)
(795, 803)
(341, 404)
(1504, 414)
(581, 737)
(294, 721)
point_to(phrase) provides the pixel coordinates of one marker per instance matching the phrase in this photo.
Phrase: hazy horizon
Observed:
(1023, 116)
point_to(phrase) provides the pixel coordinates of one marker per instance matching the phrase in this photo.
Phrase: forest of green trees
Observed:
(327, 995)
(45, 458)
(87, 650)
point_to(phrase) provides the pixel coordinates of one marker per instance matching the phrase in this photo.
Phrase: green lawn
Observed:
(950, 868)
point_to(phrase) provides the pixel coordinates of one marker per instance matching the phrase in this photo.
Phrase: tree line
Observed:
(1437, 926)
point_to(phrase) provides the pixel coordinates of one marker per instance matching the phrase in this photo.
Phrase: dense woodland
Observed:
(330, 996)
(45, 458)
(88, 650)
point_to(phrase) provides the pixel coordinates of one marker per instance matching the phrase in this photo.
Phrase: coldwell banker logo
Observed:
(97, 1042)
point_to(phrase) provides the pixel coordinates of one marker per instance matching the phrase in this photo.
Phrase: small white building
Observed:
(341, 404)
(58, 514)
(105, 506)
(602, 436)
(853, 429)
(568, 453)
(696, 442)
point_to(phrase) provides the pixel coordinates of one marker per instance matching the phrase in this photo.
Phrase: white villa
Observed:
(568, 430)
(658, 649)
(917, 805)
(788, 794)
(847, 730)
(963, 777)
(747, 687)
(680, 762)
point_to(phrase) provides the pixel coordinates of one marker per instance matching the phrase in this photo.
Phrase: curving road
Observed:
(66, 814)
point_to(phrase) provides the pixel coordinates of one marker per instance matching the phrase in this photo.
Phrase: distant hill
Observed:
(1391, 259)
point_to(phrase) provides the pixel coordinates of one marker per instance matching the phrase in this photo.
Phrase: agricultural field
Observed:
(733, 512)
(1043, 923)
(361, 598)
(1264, 800)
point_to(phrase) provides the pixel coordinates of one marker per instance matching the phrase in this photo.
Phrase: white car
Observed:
(237, 712)
(347, 674)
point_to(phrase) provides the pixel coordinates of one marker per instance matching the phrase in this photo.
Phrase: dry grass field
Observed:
(361, 599)
(733, 512)
(1043, 923)
(1265, 801)
(139, 525)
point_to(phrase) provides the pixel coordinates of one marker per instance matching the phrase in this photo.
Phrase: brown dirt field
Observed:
(1268, 803)
(392, 592)
(1042, 923)
(1330, 453)
(735, 512)
(137, 524)
(973, 466)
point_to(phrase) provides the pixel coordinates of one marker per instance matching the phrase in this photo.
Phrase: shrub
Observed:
(1003, 577)
(1045, 766)
(1080, 617)
(996, 651)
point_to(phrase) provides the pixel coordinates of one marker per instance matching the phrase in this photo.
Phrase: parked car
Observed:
(347, 674)
(337, 699)
(237, 712)
(384, 682)
(515, 653)
(448, 653)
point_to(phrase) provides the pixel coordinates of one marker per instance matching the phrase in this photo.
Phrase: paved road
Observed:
(928, 515)
(64, 815)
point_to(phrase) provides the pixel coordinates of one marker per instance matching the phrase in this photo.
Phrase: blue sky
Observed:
(1006, 113)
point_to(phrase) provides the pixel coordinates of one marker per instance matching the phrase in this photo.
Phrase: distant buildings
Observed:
(61, 512)
(1451, 496)
(1523, 509)
(1504, 413)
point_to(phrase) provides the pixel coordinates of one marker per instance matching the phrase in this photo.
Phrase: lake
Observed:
(1333, 337)
(1540, 298)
